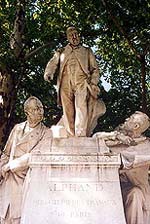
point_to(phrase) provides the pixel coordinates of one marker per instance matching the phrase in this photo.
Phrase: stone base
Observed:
(73, 182)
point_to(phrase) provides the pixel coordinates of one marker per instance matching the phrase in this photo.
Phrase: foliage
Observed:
(117, 52)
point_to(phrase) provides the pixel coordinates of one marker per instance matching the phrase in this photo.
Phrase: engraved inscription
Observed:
(77, 187)
(93, 203)
(49, 158)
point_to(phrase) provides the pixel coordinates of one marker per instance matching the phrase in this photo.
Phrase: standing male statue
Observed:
(14, 161)
(133, 147)
(77, 85)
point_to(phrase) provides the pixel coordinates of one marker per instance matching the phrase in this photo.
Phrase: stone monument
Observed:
(61, 175)
(76, 180)
(73, 180)
(76, 85)
(134, 149)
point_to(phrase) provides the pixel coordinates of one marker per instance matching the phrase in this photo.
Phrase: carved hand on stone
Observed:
(125, 139)
(5, 169)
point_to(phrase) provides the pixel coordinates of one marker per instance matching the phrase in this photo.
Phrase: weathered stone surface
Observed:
(134, 149)
(73, 182)
(23, 139)
(76, 86)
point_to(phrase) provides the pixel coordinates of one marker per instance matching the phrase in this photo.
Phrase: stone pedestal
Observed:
(73, 182)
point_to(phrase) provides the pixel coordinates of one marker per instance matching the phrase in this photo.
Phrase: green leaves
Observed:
(116, 47)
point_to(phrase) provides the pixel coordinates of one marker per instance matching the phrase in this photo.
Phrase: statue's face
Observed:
(35, 112)
(73, 37)
(130, 123)
(136, 123)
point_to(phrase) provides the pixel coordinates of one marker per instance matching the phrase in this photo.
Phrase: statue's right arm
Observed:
(114, 138)
(19, 163)
(106, 135)
(51, 67)
(7, 150)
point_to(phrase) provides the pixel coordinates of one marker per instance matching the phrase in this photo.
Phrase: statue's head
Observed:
(136, 124)
(33, 109)
(73, 36)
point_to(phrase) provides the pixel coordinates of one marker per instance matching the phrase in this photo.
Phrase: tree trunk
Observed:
(7, 86)
(143, 83)
(16, 39)
(7, 93)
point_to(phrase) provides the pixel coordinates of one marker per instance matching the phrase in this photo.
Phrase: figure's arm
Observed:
(17, 164)
(6, 152)
(7, 149)
(106, 135)
(94, 75)
(93, 67)
(114, 138)
(52, 67)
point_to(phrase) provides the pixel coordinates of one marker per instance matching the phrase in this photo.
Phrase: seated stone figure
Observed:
(14, 160)
(135, 153)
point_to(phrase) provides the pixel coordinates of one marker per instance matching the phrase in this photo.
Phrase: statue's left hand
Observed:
(5, 169)
(125, 139)
(94, 91)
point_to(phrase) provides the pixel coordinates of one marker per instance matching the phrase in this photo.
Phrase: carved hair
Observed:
(27, 102)
(142, 119)
(70, 29)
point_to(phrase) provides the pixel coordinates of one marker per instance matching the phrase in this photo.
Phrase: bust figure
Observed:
(133, 146)
(14, 161)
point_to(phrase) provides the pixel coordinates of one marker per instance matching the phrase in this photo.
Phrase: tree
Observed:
(18, 65)
(32, 30)
(131, 19)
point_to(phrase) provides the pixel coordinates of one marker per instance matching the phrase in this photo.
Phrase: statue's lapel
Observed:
(64, 57)
(32, 138)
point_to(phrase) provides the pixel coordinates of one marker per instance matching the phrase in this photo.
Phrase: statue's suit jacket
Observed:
(16, 152)
(134, 178)
(85, 58)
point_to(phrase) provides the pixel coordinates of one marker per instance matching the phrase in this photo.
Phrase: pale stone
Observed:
(135, 154)
(76, 85)
(73, 182)
(14, 160)
(59, 131)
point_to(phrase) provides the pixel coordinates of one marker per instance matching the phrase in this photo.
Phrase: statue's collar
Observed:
(74, 47)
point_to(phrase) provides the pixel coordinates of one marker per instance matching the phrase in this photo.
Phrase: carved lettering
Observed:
(93, 203)
(77, 187)
(73, 158)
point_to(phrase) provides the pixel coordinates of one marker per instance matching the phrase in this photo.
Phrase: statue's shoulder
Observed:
(88, 50)
(20, 125)
(85, 48)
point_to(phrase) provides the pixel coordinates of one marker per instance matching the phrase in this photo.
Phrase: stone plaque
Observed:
(71, 188)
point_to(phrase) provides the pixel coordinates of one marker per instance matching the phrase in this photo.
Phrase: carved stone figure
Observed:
(133, 146)
(77, 85)
(14, 160)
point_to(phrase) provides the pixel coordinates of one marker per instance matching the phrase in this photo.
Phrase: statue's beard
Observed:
(124, 129)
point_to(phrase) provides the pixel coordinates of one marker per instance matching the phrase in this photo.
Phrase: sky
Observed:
(105, 84)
